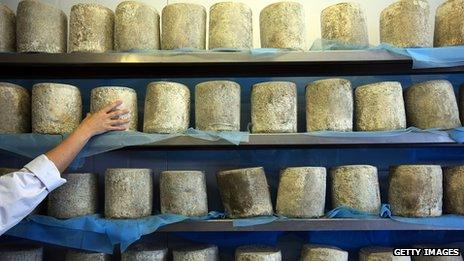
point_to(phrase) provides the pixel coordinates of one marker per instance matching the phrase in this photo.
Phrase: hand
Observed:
(107, 119)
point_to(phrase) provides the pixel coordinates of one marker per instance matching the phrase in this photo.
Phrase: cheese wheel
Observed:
(230, 26)
(432, 104)
(329, 105)
(257, 253)
(103, 96)
(274, 107)
(196, 253)
(416, 190)
(78, 255)
(283, 26)
(15, 109)
(145, 252)
(380, 107)
(406, 23)
(183, 193)
(91, 28)
(128, 193)
(217, 106)
(56, 108)
(302, 192)
(19, 252)
(7, 29)
(183, 26)
(323, 253)
(41, 27)
(449, 24)
(245, 193)
(344, 23)
(167, 108)
(136, 27)
(357, 187)
(453, 184)
(77, 197)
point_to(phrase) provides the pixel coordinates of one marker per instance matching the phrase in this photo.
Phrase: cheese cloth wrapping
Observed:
(94, 233)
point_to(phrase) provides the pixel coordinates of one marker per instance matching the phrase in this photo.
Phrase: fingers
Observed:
(117, 113)
(112, 106)
(118, 128)
(119, 122)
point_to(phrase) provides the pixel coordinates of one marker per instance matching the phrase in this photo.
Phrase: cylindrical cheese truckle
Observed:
(145, 252)
(380, 254)
(357, 187)
(274, 107)
(15, 109)
(217, 106)
(230, 26)
(136, 27)
(7, 29)
(91, 28)
(128, 193)
(380, 107)
(78, 255)
(432, 104)
(453, 184)
(183, 26)
(283, 26)
(245, 192)
(323, 253)
(167, 108)
(416, 190)
(196, 253)
(104, 96)
(257, 253)
(449, 24)
(78, 197)
(41, 27)
(301, 192)
(14, 252)
(406, 23)
(183, 193)
(56, 108)
(344, 23)
(329, 105)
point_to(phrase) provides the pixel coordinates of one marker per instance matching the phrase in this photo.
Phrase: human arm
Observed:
(23, 190)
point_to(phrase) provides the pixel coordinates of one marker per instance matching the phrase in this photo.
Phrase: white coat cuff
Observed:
(46, 171)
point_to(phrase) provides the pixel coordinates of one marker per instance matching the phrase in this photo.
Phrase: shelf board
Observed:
(300, 139)
(208, 64)
(299, 225)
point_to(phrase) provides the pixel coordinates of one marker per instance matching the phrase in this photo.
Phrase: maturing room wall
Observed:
(313, 9)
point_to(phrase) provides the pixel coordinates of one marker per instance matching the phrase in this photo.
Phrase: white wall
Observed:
(313, 9)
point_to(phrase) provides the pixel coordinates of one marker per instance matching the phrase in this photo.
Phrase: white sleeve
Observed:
(22, 191)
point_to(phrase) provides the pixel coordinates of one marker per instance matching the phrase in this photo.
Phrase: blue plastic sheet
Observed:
(445, 221)
(457, 135)
(234, 137)
(93, 232)
(29, 145)
(372, 134)
(430, 57)
(346, 212)
(326, 45)
(32, 145)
